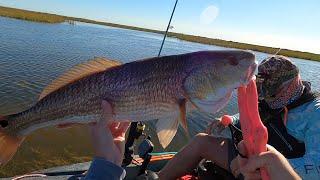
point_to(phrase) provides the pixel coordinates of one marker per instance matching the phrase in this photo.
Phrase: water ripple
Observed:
(34, 54)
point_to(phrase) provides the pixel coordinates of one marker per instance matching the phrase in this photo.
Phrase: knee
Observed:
(201, 135)
(203, 140)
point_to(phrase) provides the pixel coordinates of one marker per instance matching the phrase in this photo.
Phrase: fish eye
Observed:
(232, 60)
(4, 123)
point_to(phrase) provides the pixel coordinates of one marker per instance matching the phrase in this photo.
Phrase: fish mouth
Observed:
(249, 75)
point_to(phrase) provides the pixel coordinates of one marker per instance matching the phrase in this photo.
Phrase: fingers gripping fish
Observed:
(161, 88)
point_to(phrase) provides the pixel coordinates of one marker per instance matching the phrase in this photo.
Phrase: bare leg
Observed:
(202, 146)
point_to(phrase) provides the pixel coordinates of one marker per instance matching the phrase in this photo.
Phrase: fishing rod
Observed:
(277, 52)
(136, 128)
(165, 35)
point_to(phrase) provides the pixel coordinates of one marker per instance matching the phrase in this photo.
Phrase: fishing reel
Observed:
(136, 130)
(144, 150)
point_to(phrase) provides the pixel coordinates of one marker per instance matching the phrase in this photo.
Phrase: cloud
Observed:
(209, 14)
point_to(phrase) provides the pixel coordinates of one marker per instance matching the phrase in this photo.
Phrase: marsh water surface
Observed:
(33, 54)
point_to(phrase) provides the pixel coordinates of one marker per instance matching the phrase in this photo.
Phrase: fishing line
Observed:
(165, 35)
(277, 52)
(270, 55)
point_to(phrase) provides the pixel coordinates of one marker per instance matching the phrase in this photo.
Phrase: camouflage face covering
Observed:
(278, 81)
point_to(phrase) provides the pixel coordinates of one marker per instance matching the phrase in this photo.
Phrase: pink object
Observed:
(255, 134)
(226, 120)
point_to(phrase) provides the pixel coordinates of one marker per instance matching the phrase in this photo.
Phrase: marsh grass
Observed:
(53, 18)
(238, 45)
(30, 15)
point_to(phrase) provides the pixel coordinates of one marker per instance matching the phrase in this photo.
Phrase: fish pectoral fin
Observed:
(209, 105)
(166, 130)
(77, 72)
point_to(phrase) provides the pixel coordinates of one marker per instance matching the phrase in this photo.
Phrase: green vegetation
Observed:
(238, 45)
(30, 15)
(52, 18)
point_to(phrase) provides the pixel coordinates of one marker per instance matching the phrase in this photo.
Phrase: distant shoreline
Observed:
(53, 18)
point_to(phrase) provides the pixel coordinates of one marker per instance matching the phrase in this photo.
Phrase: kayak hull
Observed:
(76, 171)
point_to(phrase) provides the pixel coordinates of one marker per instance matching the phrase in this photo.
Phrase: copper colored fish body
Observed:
(162, 89)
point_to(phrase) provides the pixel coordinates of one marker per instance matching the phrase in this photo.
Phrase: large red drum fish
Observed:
(161, 88)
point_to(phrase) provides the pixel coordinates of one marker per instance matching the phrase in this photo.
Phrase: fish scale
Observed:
(161, 88)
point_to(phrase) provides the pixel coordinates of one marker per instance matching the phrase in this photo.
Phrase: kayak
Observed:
(75, 171)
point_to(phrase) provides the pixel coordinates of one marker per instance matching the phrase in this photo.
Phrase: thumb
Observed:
(106, 110)
(242, 148)
(255, 162)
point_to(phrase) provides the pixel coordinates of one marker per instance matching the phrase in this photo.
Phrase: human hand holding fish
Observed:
(108, 137)
(277, 165)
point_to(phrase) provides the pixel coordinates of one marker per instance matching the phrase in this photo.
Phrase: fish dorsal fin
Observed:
(79, 71)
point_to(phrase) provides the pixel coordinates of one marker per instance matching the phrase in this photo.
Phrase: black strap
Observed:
(236, 137)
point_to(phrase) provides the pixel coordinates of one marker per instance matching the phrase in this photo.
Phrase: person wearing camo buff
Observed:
(291, 113)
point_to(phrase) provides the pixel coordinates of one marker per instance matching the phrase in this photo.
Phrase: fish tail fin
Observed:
(8, 143)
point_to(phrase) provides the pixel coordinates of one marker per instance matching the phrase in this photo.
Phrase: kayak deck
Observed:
(76, 171)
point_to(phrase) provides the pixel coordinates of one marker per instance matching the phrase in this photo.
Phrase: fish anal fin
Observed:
(183, 115)
(77, 72)
(167, 129)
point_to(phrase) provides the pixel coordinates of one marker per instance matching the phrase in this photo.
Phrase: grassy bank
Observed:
(30, 15)
(52, 18)
(238, 45)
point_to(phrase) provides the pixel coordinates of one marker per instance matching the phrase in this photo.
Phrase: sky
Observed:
(290, 24)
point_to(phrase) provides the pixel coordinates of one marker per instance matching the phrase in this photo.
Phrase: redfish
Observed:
(160, 88)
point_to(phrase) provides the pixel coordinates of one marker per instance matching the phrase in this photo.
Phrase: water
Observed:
(33, 54)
